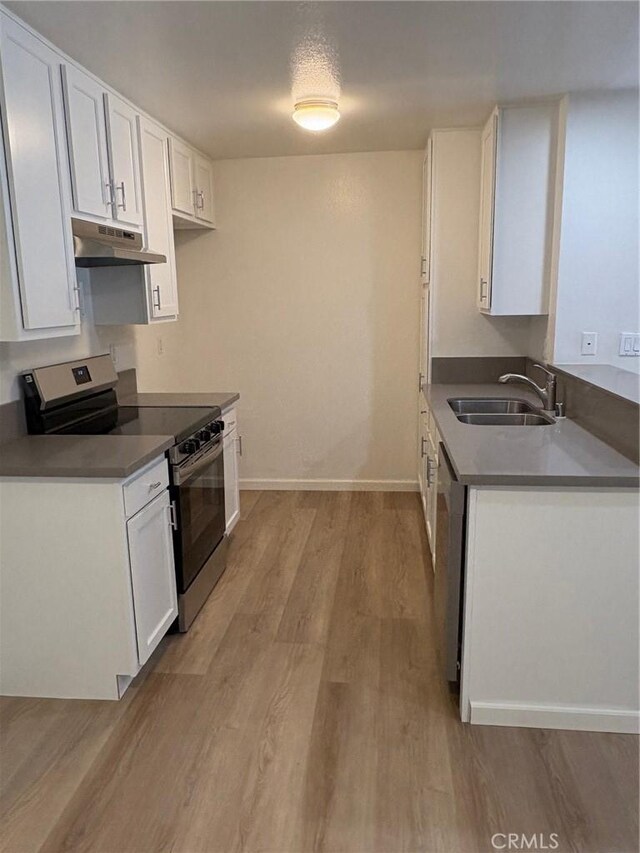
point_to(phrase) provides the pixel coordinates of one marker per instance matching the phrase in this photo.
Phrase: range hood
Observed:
(97, 245)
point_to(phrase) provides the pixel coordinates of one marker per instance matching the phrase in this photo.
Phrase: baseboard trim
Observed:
(555, 717)
(331, 485)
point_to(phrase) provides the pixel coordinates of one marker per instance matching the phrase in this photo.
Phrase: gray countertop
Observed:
(561, 454)
(223, 399)
(105, 456)
(621, 383)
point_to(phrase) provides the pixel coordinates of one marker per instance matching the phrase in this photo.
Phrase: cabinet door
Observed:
(231, 483)
(158, 224)
(122, 136)
(87, 141)
(425, 335)
(37, 172)
(487, 205)
(422, 452)
(425, 268)
(204, 189)
(181, 163)
(430, 475)
(153, 576)
(432, 485)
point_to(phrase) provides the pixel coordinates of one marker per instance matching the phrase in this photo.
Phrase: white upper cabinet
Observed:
(182, 178)
(39, 291)
(516, 209)
(102, 136)
(487, 200)
(204, 189)
(158, 225)
(87, 140)
(122, 136)
(425, 260)
(191, 187)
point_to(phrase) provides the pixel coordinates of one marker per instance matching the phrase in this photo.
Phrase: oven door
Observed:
(197, 494)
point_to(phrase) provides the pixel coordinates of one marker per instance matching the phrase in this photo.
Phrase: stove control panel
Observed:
(196, 442)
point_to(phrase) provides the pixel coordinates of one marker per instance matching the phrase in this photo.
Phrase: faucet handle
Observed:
(549, 373)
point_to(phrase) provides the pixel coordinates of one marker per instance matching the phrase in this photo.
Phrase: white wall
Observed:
(458, 328)
(22, 355)
(598, 286)
(306, 301)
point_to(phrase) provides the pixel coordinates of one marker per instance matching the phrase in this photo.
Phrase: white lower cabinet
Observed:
(232, 449)
(88, 582)
(428, 474)
(153, 579)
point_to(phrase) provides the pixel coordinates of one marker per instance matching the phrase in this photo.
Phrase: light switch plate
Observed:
(589, 343)
(629, 344)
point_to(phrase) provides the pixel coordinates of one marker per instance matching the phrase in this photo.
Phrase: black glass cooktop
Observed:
(180, 422)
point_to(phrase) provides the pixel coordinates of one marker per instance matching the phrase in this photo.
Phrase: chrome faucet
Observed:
(546, 394)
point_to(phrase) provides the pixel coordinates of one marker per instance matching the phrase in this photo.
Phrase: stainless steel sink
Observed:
(490, 406)
(524, 419)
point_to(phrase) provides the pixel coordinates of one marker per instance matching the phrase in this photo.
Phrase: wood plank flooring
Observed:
(305, 711)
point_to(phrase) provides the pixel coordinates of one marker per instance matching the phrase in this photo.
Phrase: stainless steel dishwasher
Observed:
(449, 575)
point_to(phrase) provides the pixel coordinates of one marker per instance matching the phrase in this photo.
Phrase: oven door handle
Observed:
(184, 472)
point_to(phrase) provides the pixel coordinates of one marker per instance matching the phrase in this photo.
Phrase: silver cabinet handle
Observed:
(173, 519)
(109, 200)
(153, 486)
(76, 291)
(423, 441)
(430, 462)
(239, 442)
(423, 265)
(483, 284)
(123, 203)
(157, 304)
(198, 199)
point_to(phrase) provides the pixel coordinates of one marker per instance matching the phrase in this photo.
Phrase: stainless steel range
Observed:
(79, 397)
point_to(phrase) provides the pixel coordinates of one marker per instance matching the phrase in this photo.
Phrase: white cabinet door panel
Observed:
(158, 223)
(231, 482)
(425, 269)
(182, 177)
(204, 189)
(152, 574)
(122, 133)
(487, 206)
(33, 129)
(87, 140)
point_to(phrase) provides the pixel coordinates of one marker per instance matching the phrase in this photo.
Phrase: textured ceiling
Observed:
(224, 74)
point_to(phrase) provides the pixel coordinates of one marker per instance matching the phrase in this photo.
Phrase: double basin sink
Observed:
(486, 411)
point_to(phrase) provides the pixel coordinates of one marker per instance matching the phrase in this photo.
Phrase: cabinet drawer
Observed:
(230, 418)
(145, 486)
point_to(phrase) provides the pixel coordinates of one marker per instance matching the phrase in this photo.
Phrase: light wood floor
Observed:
(305, 711)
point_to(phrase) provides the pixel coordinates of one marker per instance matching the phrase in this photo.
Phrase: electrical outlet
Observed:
(629, 344)
(589, 343)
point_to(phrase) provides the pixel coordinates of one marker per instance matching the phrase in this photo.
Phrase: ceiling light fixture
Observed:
(316, 114)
